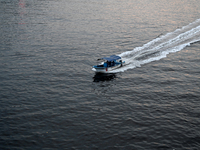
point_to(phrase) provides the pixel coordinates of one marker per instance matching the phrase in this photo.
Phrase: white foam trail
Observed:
(160, 47)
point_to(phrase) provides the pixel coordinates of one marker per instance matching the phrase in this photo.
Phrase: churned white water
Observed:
(160, 47)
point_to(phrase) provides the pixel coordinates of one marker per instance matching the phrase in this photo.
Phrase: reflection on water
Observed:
(103, 77)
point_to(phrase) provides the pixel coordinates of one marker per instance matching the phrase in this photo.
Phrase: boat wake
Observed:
(160, 47)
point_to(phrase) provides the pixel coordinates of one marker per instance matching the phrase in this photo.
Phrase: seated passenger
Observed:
(105, 64)
(112, 63)
(109, 64)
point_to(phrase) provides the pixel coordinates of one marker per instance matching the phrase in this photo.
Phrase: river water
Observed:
(51, 99)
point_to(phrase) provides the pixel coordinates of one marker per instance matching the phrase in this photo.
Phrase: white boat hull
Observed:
(105, 70)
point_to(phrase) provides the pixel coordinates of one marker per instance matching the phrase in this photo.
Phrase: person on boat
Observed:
(112, 63)
(121, 62)
(109, 63)
(106, 64)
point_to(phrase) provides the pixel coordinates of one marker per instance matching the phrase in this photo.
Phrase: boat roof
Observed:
(111, 58)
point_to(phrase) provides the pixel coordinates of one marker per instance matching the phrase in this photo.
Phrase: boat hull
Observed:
(106, 69)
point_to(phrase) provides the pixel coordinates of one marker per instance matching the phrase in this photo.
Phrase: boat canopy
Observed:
(111, 58)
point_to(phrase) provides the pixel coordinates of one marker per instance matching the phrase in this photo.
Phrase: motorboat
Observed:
(108, 64)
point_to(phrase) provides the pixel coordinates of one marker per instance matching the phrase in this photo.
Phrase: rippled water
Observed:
(51, 99)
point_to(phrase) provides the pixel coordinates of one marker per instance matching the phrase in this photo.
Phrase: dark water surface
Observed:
(51, 99)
